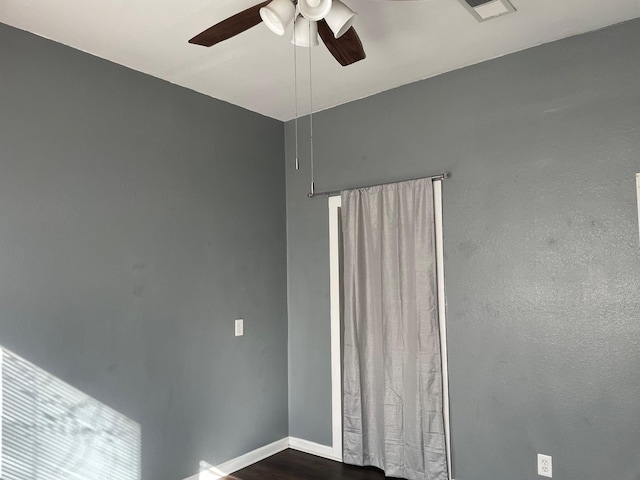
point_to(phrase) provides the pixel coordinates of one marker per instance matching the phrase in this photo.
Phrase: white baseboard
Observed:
(314, 449)
(243, 461)
(254, 456)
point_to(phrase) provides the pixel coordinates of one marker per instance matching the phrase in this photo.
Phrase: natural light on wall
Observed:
(51, 431)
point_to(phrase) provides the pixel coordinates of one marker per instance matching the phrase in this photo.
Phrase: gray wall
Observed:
(541, 246)
(137, 221)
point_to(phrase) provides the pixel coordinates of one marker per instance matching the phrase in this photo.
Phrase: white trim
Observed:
(638, 195)
(336, 358)
(243, 461)
(442, 315)
(254, 456)
(1, 404)
(194, 477)
(313, 448)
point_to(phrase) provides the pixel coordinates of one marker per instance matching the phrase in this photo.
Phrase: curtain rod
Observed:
(334, 193)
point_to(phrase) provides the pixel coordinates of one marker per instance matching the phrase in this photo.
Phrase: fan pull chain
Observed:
(295, 87)
(313, 187)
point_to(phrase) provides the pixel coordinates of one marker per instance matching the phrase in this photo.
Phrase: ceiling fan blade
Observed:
(347, 49)
(230, 27)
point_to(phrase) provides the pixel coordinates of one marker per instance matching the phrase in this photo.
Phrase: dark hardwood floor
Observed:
(294, 465)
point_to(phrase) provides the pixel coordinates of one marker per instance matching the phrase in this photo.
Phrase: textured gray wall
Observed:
(137, 221)
(541, 245)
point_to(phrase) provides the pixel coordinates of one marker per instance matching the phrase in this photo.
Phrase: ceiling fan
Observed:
(330, 19)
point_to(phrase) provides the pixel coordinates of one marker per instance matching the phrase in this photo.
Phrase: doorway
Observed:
(335, 257)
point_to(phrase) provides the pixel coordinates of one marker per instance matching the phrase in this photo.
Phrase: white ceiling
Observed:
(404, 42)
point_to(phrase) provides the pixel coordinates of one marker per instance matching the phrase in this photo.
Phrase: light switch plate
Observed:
(638, 196)
(239, 327)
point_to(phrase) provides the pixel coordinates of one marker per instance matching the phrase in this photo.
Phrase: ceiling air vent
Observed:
(487, 9)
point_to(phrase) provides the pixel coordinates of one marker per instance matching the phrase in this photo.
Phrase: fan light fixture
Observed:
(305, 33)
(329, 19)
(314, 10)
(278, 15)
(334, 26)
(340, 18)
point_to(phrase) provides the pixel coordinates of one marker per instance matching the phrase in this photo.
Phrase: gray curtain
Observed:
(392, 367)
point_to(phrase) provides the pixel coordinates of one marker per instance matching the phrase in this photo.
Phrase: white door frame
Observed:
(335, 288)
(334, 294)
(442, 316)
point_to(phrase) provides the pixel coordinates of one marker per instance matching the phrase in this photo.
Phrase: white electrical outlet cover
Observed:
(545, 468)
